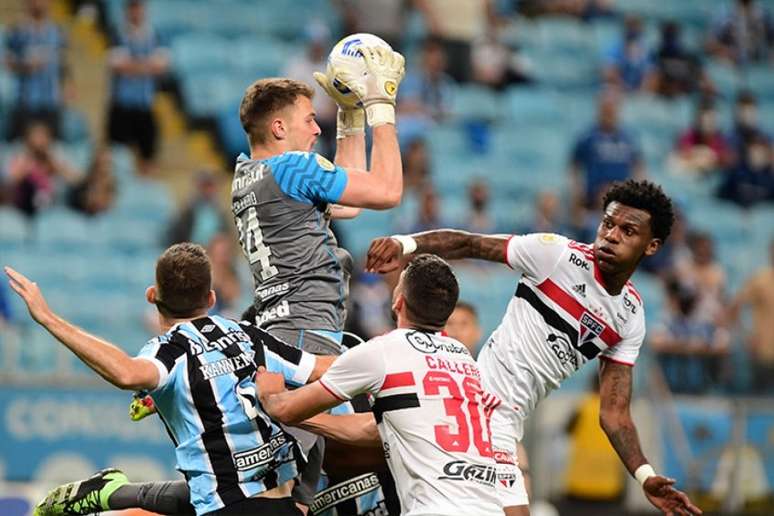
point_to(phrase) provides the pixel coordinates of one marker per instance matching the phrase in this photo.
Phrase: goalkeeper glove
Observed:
(141, 406)
(378, 88)
(350, 119)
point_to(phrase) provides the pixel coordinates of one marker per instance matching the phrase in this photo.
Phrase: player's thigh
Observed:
(510, 485)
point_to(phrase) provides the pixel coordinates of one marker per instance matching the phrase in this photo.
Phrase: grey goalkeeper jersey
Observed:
(301, 274)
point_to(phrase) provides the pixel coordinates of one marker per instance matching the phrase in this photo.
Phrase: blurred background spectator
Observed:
(35, 53)
(426, 92)
(702, 148)
(314, 58)
(225, 281)
(137, 60)
(479, 218)
(463, 325)
(202, 216)
(495, 65)
(37, 173)
(743, 32)
(628, 61)
(456, 24)
(758, 294)
(700, 273)
(549, 216)
(602, 154)
(689, 347)
(95, 193)
(675, 69)
(387, 18)
(416, 166)
(370, 306)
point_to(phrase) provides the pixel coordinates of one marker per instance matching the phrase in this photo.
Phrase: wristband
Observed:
(350, 122)
(408, 244)
(644, 472)
(380, 114)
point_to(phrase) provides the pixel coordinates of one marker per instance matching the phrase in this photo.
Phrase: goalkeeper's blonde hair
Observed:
(264, 98)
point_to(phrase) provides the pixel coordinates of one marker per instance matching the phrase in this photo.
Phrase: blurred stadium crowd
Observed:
(513, 117)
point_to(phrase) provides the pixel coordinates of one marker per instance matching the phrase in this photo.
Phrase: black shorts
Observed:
(132, 126)
(256, 506)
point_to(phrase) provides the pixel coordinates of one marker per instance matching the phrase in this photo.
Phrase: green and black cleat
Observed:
(87, 496)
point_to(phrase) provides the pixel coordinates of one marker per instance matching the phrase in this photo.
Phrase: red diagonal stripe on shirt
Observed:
(573, 307)
(398, 380)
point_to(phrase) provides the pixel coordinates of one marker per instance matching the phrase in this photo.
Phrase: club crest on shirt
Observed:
(590, 328)
(324, 163)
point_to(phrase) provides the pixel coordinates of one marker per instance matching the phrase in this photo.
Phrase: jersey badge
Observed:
(590, 328)
(324, 163)
(548, 238)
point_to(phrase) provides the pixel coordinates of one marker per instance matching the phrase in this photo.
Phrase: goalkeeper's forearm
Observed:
(355, 429)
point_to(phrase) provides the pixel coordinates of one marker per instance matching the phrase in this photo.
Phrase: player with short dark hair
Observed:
(574, 302)
(201, 375)
(430, 413)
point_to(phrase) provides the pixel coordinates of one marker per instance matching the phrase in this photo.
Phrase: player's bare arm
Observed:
(321, 364)
(106, 359)
(355, 429)
(291, 407)
(385, 253)
(615, 391)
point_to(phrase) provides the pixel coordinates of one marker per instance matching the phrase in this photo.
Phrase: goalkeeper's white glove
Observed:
(378, 88)
(350, 119)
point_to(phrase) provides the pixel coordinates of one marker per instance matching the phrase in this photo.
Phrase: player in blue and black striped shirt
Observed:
(201, 374)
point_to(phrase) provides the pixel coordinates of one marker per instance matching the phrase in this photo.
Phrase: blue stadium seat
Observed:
(528, 106)
(145, 201)
(64, 230)
(475, 102)
(14, 229)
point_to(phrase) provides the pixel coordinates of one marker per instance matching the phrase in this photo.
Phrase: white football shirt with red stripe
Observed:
(433, 419)
(560, 317)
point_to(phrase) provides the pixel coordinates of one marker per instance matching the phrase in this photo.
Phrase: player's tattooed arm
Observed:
(385, 253)
(615, 392)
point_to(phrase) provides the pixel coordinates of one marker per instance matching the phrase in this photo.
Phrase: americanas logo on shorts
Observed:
(461, 470)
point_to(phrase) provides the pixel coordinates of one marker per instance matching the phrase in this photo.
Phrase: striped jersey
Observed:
(433, 419)
(560, 318)
(225, 445)
(301, 275)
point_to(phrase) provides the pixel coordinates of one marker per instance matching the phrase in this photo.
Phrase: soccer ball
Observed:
(344, 55)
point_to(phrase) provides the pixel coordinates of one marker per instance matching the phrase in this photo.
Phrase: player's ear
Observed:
(150, 294)
(278, 128)
(653, 246)
(211, 299)
(397, 305)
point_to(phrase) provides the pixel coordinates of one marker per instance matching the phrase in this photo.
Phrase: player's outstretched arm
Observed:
(291, 407)
(106, 359)
(385, 253)
(355, 429)
(615, 391)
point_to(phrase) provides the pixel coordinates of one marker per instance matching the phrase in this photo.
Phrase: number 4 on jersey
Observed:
(251, 239)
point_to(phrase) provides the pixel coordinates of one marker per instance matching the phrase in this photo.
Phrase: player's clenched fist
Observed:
(378, 88)
(384, 255)
(267, 383)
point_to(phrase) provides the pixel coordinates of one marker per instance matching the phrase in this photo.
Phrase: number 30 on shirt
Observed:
(471, 409)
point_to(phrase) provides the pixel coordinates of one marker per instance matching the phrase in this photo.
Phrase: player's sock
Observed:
(167, 497)
(82, 497)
